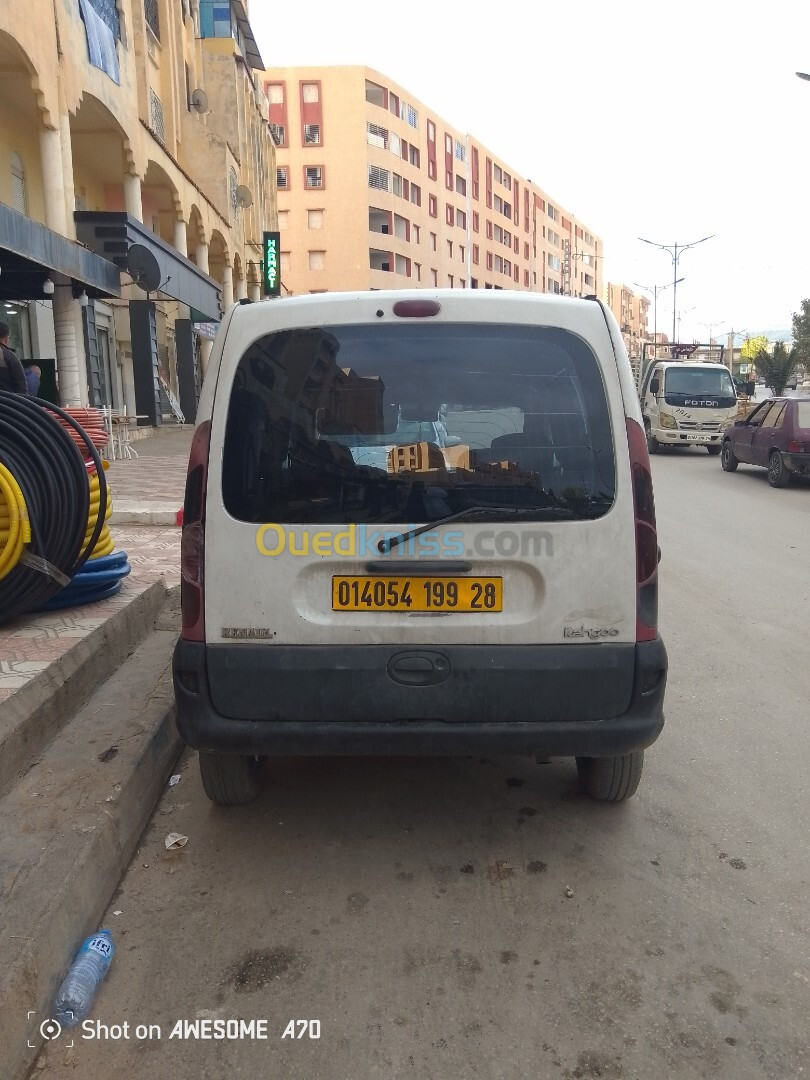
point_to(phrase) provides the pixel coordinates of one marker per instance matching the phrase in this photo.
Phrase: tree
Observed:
(801, 331)
(776, 367)
(753, 346)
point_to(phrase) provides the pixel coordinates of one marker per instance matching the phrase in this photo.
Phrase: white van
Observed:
(419, 522)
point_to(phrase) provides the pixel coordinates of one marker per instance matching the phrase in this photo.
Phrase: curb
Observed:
(35, 713)
(130, 513)
(64, 861)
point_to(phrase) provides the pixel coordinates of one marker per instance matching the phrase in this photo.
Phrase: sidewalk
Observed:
(149, 489)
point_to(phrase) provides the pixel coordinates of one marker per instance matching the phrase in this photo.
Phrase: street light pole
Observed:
(655, 290)
(674, 251)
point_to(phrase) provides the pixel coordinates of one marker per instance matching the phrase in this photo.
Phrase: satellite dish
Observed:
(199, 101)
(244, 197)
(143, 268)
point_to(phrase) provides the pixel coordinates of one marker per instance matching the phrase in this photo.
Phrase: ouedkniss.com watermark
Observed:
(365, 540)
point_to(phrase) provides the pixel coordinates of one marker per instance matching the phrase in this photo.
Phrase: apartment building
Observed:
(129, 124)
(377, 191)
(631, 311)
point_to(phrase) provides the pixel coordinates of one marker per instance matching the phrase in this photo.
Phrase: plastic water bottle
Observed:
(75, 997)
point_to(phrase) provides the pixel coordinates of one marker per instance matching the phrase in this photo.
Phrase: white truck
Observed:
(687, 399)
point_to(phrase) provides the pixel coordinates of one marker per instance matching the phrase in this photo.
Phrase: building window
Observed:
(461, 185)
(433, 206)
(489, 230)
(434, 274)
(588, 279)
(460, 152)
(498, 203)
(432, 173)
(462, 252)
(449, 214)
(496, 172)
(279, 134)
(414, 156)
(489, 260)
(283, 220)
(418, 270)
(475, 254)
(309, 93)
(282, 177)
(156, 118)
(433, 240)
(461, 219)
(396, 186)
(416, 195)
(393, 103)
(314, 219)
(150, 10)
(411, 116)
(314, 176)
(507, 267)
(416, 234)
(507, 210)
(312, 134)
(450, 280)
(275, 93)
(377, 136)
(450, 249)
(553, 261)
(378, 178)
(317, 260)
(507, 180)
(526, 250)
(526, 278)
(19, 195)
(475, 221)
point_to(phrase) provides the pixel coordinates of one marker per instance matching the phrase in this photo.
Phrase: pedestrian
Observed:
(33, 377)
(12, 376)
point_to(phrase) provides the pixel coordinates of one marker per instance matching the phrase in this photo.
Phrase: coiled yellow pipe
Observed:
(15, 529)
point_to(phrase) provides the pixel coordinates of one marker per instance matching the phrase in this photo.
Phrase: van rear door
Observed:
(346, 431)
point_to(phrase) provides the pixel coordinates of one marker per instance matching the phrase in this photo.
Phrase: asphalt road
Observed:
(418, 908)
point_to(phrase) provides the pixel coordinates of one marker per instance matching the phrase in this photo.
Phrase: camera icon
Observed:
(50, 1030)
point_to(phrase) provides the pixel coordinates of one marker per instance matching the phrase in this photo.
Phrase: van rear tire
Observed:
(231, 779)
(611, 779)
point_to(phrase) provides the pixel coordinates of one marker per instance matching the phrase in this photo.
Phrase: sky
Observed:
(669, 122)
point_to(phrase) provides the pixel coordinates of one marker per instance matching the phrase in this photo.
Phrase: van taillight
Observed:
(192, 546)
(646, 536)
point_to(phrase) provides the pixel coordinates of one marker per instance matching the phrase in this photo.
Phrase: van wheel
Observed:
(231, 779)
(778, 476)
(611, 779)
(714, 449)
(652, 444)
(729, 459)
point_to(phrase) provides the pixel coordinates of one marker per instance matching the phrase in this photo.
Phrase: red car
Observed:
(776, 436)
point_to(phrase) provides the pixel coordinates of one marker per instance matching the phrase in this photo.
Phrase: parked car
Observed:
(776, 436)
(792, 383)
(463, 557)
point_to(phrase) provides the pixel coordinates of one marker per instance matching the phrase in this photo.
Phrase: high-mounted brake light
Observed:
(416, 309)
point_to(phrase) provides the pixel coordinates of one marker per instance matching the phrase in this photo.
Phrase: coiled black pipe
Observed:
(50, 469)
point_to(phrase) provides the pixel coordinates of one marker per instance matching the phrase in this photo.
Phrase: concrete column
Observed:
(67, 172)
(53, 179)
(132, 196)
(180, 241)
(240, 290)
(69, 357)
(255, 293)
(206, 345)
(202, 256)
(227, 287)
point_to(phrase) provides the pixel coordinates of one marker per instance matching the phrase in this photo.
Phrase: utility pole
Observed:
(655, 290)
(675, 250)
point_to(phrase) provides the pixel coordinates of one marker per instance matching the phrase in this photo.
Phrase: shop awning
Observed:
(30, 252)
(112, 234)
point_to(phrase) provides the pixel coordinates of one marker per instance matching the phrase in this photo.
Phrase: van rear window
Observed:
(409, 423)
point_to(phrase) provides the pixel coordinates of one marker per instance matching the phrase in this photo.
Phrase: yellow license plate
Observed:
(465, 594)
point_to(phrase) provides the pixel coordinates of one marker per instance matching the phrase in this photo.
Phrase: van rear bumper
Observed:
(530, 699)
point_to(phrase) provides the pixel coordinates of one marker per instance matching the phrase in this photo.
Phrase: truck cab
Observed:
(687, 402)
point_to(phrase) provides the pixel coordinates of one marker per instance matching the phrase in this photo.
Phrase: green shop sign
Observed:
(271, 261)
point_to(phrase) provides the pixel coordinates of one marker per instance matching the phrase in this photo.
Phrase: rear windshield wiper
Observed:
(390, 542)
